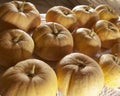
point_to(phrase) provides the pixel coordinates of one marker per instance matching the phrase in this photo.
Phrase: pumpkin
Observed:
(110, 65)
(52, 41)
(108, 33)
(30, 77)
(115, 49)
(15, 45)
(61, 15)
(79, 75)
(106, 12)
(19, 14)
(86, 15)
(86, 41)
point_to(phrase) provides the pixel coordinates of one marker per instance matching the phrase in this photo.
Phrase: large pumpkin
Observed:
(15, 45)
(52, 41)
(79, 75)
(31, 77)
(18, 14)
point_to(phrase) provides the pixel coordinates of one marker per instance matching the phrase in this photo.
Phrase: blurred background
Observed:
(44, 5)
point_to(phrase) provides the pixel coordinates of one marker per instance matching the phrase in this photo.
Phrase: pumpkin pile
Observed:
(74, 52)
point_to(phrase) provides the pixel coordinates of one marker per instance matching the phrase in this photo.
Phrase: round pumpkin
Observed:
(107, 32)
(79, 75)
(52, 41)
(86, 15)
(86, 41)
(19, 14)
(30, 77)
(15, 45)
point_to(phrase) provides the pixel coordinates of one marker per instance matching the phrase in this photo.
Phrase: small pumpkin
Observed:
(30, 77)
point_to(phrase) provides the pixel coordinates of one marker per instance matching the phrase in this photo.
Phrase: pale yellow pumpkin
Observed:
(110, 65)
(31, 77)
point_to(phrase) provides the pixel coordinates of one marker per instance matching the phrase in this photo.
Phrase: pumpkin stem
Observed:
(109, 9)
(55, 31)
(111, 27)
(81, 64)
(65, 12)
(32, 71)
(91, 33)
(16, 39)
(116, 58)
(88, 8)
(21, 8)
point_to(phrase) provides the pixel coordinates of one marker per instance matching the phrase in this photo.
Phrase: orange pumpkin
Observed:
(30, 77)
